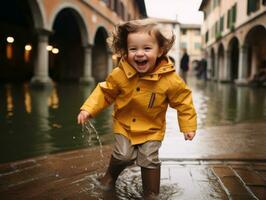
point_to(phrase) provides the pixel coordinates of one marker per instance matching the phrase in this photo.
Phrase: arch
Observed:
(233, 48)
(38, 14)
(255, 42)
(70, 37)
(100, 54)
(79, 16)
(19, 20)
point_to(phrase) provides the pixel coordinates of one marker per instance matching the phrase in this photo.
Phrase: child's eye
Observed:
(147, 48)
(132, 49)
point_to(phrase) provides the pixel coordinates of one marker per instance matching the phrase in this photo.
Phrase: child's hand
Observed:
(83, 116)
(189, 135)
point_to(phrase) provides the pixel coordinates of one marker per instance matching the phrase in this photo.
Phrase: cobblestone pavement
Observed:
(238, 172)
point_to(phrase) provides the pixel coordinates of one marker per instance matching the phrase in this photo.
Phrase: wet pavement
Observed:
(223, 162)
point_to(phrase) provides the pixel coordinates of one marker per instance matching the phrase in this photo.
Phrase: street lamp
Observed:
(55, 50)
(28, 48)
(10, 39)
(49, 48)
(9, 49)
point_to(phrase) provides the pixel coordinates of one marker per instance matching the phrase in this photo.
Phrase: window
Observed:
(253, 6)
(207, 36)
(231, 16)
(222, 24)
(228, 18)
(183, 45)
(109, 3)
(216, 28)
(234, 12)
(197, 32)
(197, 45)
(215, 3)
(183, 31)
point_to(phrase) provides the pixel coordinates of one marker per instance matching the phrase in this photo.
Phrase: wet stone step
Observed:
(232, 185)
(250, 177)
(259, 191)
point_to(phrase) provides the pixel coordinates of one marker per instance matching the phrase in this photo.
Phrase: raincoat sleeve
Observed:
(180, 98)
(102, 96)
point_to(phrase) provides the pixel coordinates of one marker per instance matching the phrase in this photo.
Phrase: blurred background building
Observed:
(190, 39)
(234, 37)
(46, 39)
(172, 26)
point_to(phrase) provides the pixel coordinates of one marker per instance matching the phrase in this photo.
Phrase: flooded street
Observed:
(37, 122)
(224, 161)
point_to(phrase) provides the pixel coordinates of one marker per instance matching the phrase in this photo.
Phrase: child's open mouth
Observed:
(140, 63)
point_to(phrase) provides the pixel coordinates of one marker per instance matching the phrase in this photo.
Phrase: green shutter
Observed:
(228, 18)
(234, 12)
(222, 23)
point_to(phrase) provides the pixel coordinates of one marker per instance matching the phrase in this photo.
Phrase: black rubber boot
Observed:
(115, 168)
(151, 182)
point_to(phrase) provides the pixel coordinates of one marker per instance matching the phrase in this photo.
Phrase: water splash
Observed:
(90, 131)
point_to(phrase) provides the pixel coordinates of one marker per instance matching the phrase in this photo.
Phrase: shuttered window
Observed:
(253, 6)
(231, 16)
(222, 23)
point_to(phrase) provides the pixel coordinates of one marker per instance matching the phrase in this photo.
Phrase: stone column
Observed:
(254, 61)
(242, 66)
(109, 61)
(227, 67)
(209, 64)
(87, 69)
(41, 67)
(216, 67)
(221, 68)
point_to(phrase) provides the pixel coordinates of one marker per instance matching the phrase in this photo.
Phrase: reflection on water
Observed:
(220, 104)
(129, 186)
(40, 121)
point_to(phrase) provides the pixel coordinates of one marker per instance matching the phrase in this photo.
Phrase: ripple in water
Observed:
(129, 186)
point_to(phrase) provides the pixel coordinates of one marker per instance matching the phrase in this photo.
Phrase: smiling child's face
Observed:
(142, 51)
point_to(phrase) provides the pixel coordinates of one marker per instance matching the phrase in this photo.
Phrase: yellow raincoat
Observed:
(140, 102)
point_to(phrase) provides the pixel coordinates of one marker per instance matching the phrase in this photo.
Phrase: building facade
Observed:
(190, 39)
(45, 40)
(234, 37)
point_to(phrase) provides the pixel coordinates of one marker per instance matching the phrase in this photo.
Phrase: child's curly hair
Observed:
(118, 40)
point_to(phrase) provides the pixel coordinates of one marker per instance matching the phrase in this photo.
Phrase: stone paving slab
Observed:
(226, 162)
(244, 141)
(69, 176)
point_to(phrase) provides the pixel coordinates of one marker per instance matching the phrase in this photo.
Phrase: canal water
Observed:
(42, 121)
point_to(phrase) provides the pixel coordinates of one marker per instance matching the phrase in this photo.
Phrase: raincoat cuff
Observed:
(188, 129)
(90, 110)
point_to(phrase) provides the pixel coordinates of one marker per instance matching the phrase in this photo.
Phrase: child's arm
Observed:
(102, 96)
(180, 98)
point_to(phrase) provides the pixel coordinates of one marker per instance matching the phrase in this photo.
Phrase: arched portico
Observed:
(234, 58)
(70, 38)
(19, 21)
(212, 67)
(100, 55)
(221, 67)
(255, 41)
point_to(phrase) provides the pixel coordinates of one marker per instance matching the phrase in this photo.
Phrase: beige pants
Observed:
(146, 154)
